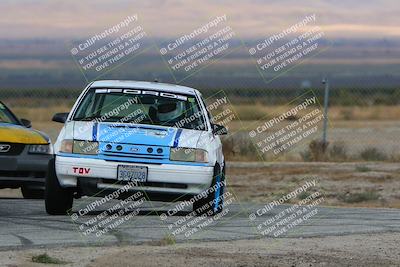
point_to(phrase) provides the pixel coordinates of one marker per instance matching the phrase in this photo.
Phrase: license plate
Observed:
(132, 173)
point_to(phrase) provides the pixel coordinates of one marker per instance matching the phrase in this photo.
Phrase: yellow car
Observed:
(24, 155)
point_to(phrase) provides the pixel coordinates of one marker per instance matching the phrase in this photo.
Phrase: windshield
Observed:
(6, 116)
(141, 107)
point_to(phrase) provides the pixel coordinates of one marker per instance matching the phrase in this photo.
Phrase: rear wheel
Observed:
(213, 203)
(32, 193)
(58, 200)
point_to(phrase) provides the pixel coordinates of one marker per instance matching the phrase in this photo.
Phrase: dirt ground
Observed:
(355, 250)
(341, 184)
(10, 193)
(364, 184)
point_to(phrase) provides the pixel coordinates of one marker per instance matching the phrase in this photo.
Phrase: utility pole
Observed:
(326, 101)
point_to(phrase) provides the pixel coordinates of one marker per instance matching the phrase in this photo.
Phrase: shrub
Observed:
(46, 259)
(239, 148)
(316, 151)
(359, 197)
(168, 240)
(362, 168)
(303, 195)
(338, 152)
(347, 114)
(305, 155)
(372, 154)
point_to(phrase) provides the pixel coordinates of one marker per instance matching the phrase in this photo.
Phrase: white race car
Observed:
(158, 137)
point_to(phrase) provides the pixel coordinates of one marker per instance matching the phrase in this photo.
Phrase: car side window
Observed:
(208, 113)
(6, 116)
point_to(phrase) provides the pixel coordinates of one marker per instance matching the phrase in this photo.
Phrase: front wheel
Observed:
(213, 203)
(58, 200)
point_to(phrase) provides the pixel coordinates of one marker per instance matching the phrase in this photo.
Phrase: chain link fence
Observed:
(363, 122)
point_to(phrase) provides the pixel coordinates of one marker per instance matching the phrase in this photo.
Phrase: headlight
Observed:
(66, 146)
(85, 147)
(79, 147)
(40, 149)
(188, 154)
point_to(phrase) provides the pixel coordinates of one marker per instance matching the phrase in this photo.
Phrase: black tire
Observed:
(31, 193)
(58, 200)
(213, 203)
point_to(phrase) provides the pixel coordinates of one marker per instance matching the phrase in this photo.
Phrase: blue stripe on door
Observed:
(178, 134)
(94, 131)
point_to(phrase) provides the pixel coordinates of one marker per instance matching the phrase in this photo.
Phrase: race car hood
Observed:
(135, 134)
(12, 133)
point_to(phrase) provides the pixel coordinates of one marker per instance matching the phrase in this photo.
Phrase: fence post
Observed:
(326, 101)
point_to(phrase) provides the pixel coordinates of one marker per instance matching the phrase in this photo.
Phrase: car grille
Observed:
(14, 149)
(128, 151)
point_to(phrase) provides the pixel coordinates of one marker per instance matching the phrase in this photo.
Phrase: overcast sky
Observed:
(171, 18)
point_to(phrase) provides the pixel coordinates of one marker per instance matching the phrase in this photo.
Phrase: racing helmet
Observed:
(170, 110)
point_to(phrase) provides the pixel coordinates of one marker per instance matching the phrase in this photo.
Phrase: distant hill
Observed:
(367, 63)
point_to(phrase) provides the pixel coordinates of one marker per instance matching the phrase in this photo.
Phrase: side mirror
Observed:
(60, 117)
(26, 123)
(219, 129)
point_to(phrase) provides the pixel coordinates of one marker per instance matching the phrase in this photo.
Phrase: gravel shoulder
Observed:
(342, 237)
(351, 250)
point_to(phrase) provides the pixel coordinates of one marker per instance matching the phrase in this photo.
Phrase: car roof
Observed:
(173, 88)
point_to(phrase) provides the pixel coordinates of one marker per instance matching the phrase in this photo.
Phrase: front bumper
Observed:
(23, 169)
(163, 180)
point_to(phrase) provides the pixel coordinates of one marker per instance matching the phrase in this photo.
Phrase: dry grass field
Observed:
(360, 132)
(353, 184)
